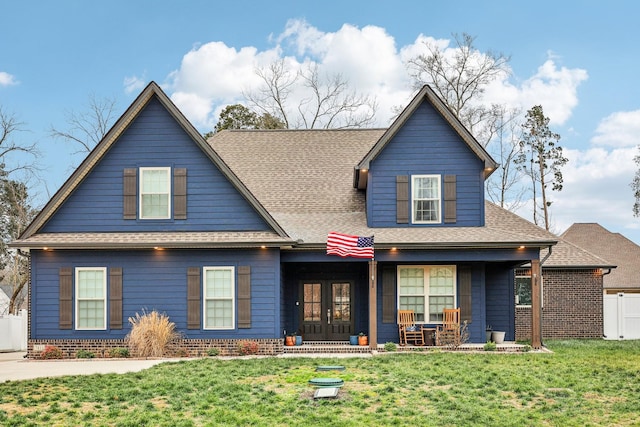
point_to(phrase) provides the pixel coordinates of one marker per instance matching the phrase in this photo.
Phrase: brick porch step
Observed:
(327, 347)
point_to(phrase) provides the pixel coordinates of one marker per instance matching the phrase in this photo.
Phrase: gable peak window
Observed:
(426, 199)
(155, 193)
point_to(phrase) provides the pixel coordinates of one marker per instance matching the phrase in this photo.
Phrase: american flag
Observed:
(346, 245)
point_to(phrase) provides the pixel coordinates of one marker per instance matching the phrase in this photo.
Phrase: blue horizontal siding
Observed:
(426, 145)
(156, 280)
(155, 139)
(491, 303)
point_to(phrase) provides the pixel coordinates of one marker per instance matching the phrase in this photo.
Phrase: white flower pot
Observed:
(497, 337)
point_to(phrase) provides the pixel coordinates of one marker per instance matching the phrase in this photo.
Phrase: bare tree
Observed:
(9, 126)
(86, 129)
(15, 215)
(324, 101)
(635, 186)
(459, 76)
(540, 149)
(504, 187)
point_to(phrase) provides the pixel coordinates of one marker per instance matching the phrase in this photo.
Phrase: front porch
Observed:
(344, 348)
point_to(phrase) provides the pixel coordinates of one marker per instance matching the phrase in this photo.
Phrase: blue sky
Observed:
(578, 59)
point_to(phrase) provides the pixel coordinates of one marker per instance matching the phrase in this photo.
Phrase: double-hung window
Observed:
(427, 290)
(425, 199)
(155, 193)
(91, 298)
(219, 297)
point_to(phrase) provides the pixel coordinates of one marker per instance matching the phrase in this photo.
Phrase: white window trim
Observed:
(531, 284)
(426, 268)
(77, 299)
(413, 210)
(169, 192)
(232, 297)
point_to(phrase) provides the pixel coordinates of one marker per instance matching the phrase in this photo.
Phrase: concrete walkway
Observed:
(13, 366)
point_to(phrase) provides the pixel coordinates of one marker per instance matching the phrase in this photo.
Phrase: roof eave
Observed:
(147, 245)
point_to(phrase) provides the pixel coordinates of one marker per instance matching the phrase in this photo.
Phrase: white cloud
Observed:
(133, 84)
(7, 79)
(621, 129)
(556, 89)
(596, 189)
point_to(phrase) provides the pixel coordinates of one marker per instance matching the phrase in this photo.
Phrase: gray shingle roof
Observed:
(568, 255)
(156, 239)
(304, 178)
(613, 247)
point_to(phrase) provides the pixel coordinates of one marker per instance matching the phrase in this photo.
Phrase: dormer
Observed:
(426, 170)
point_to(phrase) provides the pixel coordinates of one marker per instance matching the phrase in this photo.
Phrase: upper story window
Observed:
(155, 193)
(91, 298)
(426, 199)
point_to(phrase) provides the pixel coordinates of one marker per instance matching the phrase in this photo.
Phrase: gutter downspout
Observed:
(542, 261)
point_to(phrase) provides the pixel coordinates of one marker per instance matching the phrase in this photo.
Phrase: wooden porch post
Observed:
(536, 305)
(373, 321)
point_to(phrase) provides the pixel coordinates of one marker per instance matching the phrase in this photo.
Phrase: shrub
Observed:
(152, 334)
(454, 341)
(85, 354)
(213, 352)
(246, 348)
(490, 346)
(390, 346)
(119, 352)
(51, 352)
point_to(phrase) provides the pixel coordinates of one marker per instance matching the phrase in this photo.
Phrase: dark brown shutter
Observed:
(244, 297)
(464, 292)
(450, 198)
(402, 199)
(66, 303)
(389, 294)
(193, 298)
(130, 193)
(115, 298)
(179, 193)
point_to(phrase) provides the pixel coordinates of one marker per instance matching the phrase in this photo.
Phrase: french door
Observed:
(326, 312)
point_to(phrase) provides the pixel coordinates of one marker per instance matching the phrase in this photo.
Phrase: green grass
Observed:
(583, 383)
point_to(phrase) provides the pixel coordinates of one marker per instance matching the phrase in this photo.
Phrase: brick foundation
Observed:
(572, 305)
(186, 347)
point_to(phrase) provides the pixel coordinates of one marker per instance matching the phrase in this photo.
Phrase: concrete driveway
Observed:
(13, 366)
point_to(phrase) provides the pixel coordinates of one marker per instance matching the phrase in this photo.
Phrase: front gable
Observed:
(155, 141)
(425, 171)
(197, 192)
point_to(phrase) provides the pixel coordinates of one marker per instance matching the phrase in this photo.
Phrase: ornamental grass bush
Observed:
(152, 334)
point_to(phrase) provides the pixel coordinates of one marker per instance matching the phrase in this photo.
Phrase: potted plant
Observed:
(290, 339)
(363, 339)
(497, 337)
(353, 339)
(298, 339)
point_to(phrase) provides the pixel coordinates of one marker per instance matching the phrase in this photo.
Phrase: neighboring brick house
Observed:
(572, 281)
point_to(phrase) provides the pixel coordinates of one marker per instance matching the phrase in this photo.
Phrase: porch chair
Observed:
(449, 332)
(407, 328)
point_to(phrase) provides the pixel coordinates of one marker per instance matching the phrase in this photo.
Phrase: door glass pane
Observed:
(341, 301)
(312, 302)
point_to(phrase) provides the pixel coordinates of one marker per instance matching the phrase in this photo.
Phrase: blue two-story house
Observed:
(228, 236)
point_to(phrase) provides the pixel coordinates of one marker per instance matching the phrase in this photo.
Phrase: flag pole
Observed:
(373, 321)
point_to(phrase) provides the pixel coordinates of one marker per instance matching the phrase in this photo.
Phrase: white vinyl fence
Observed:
(622, 316)
(13, 332)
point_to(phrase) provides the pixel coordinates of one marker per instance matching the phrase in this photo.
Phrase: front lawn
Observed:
(582, 383)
